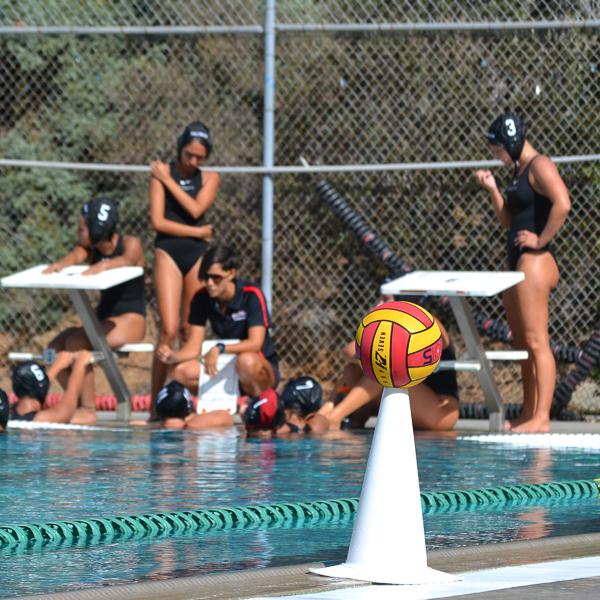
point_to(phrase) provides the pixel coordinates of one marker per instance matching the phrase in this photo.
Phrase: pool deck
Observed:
(564, 567)
(462, 426)
(479, 425)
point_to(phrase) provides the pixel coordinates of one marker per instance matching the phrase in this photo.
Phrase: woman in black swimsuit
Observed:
(121, 310)
(180, 194)
(534, 208)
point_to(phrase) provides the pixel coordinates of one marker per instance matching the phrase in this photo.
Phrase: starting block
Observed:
(48, 356)
(475, 365)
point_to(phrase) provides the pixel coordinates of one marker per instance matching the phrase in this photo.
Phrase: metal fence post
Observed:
(268, 151)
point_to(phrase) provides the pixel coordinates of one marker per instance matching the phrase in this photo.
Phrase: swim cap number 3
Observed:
(511, 128)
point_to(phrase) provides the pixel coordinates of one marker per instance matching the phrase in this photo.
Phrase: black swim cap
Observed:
(101, 216)
(195, 131)
(508, 131)
(265, 412)
(29, 380)
(303, 394)
(4, 408)
(174, 401)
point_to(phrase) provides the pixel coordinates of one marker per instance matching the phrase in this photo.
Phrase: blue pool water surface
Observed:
(61, 475)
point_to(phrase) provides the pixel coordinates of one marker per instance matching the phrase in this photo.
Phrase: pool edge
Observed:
(294, 579)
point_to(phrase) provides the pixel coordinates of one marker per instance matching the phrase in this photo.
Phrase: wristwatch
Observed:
(221, 347)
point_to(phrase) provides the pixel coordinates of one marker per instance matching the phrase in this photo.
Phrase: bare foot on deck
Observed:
(514, 424)
(535, 425)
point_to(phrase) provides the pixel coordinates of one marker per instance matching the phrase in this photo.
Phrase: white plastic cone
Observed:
(388, 539)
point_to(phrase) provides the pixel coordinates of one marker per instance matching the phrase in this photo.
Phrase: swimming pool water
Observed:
(50, 475)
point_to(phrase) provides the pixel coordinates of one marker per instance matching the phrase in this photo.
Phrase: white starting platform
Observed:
(458, 286)
(76, 284)
(70, 278)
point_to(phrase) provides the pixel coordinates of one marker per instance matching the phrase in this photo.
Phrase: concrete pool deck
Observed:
(462, 426)
(563, 567)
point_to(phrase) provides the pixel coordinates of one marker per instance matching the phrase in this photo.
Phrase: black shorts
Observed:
(106, 311)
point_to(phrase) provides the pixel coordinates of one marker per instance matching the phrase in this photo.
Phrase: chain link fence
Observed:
(410, 87)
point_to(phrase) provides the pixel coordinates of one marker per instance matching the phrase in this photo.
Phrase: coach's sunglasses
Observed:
(216, 278)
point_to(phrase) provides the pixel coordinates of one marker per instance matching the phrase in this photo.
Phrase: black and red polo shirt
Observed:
(248, 308)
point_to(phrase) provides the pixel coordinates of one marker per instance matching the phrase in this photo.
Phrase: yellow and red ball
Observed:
(399, 344)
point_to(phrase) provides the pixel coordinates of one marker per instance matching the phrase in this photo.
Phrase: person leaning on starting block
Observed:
(236, 309)
(533, 209)
(433, 403)
(180, 194)
(122, 310)
(30, 383)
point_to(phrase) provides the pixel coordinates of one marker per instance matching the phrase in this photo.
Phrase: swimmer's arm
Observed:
(65, 408)
(166, 226)
(361, 394)
(78, 255)
(500, 209)
(132, 256)
(209, 420)
(189, 351)
(546, 180)
(487, 181)
(63, 360)
(197, 206)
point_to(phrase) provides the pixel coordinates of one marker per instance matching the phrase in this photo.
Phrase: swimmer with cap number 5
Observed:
(122, 310)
